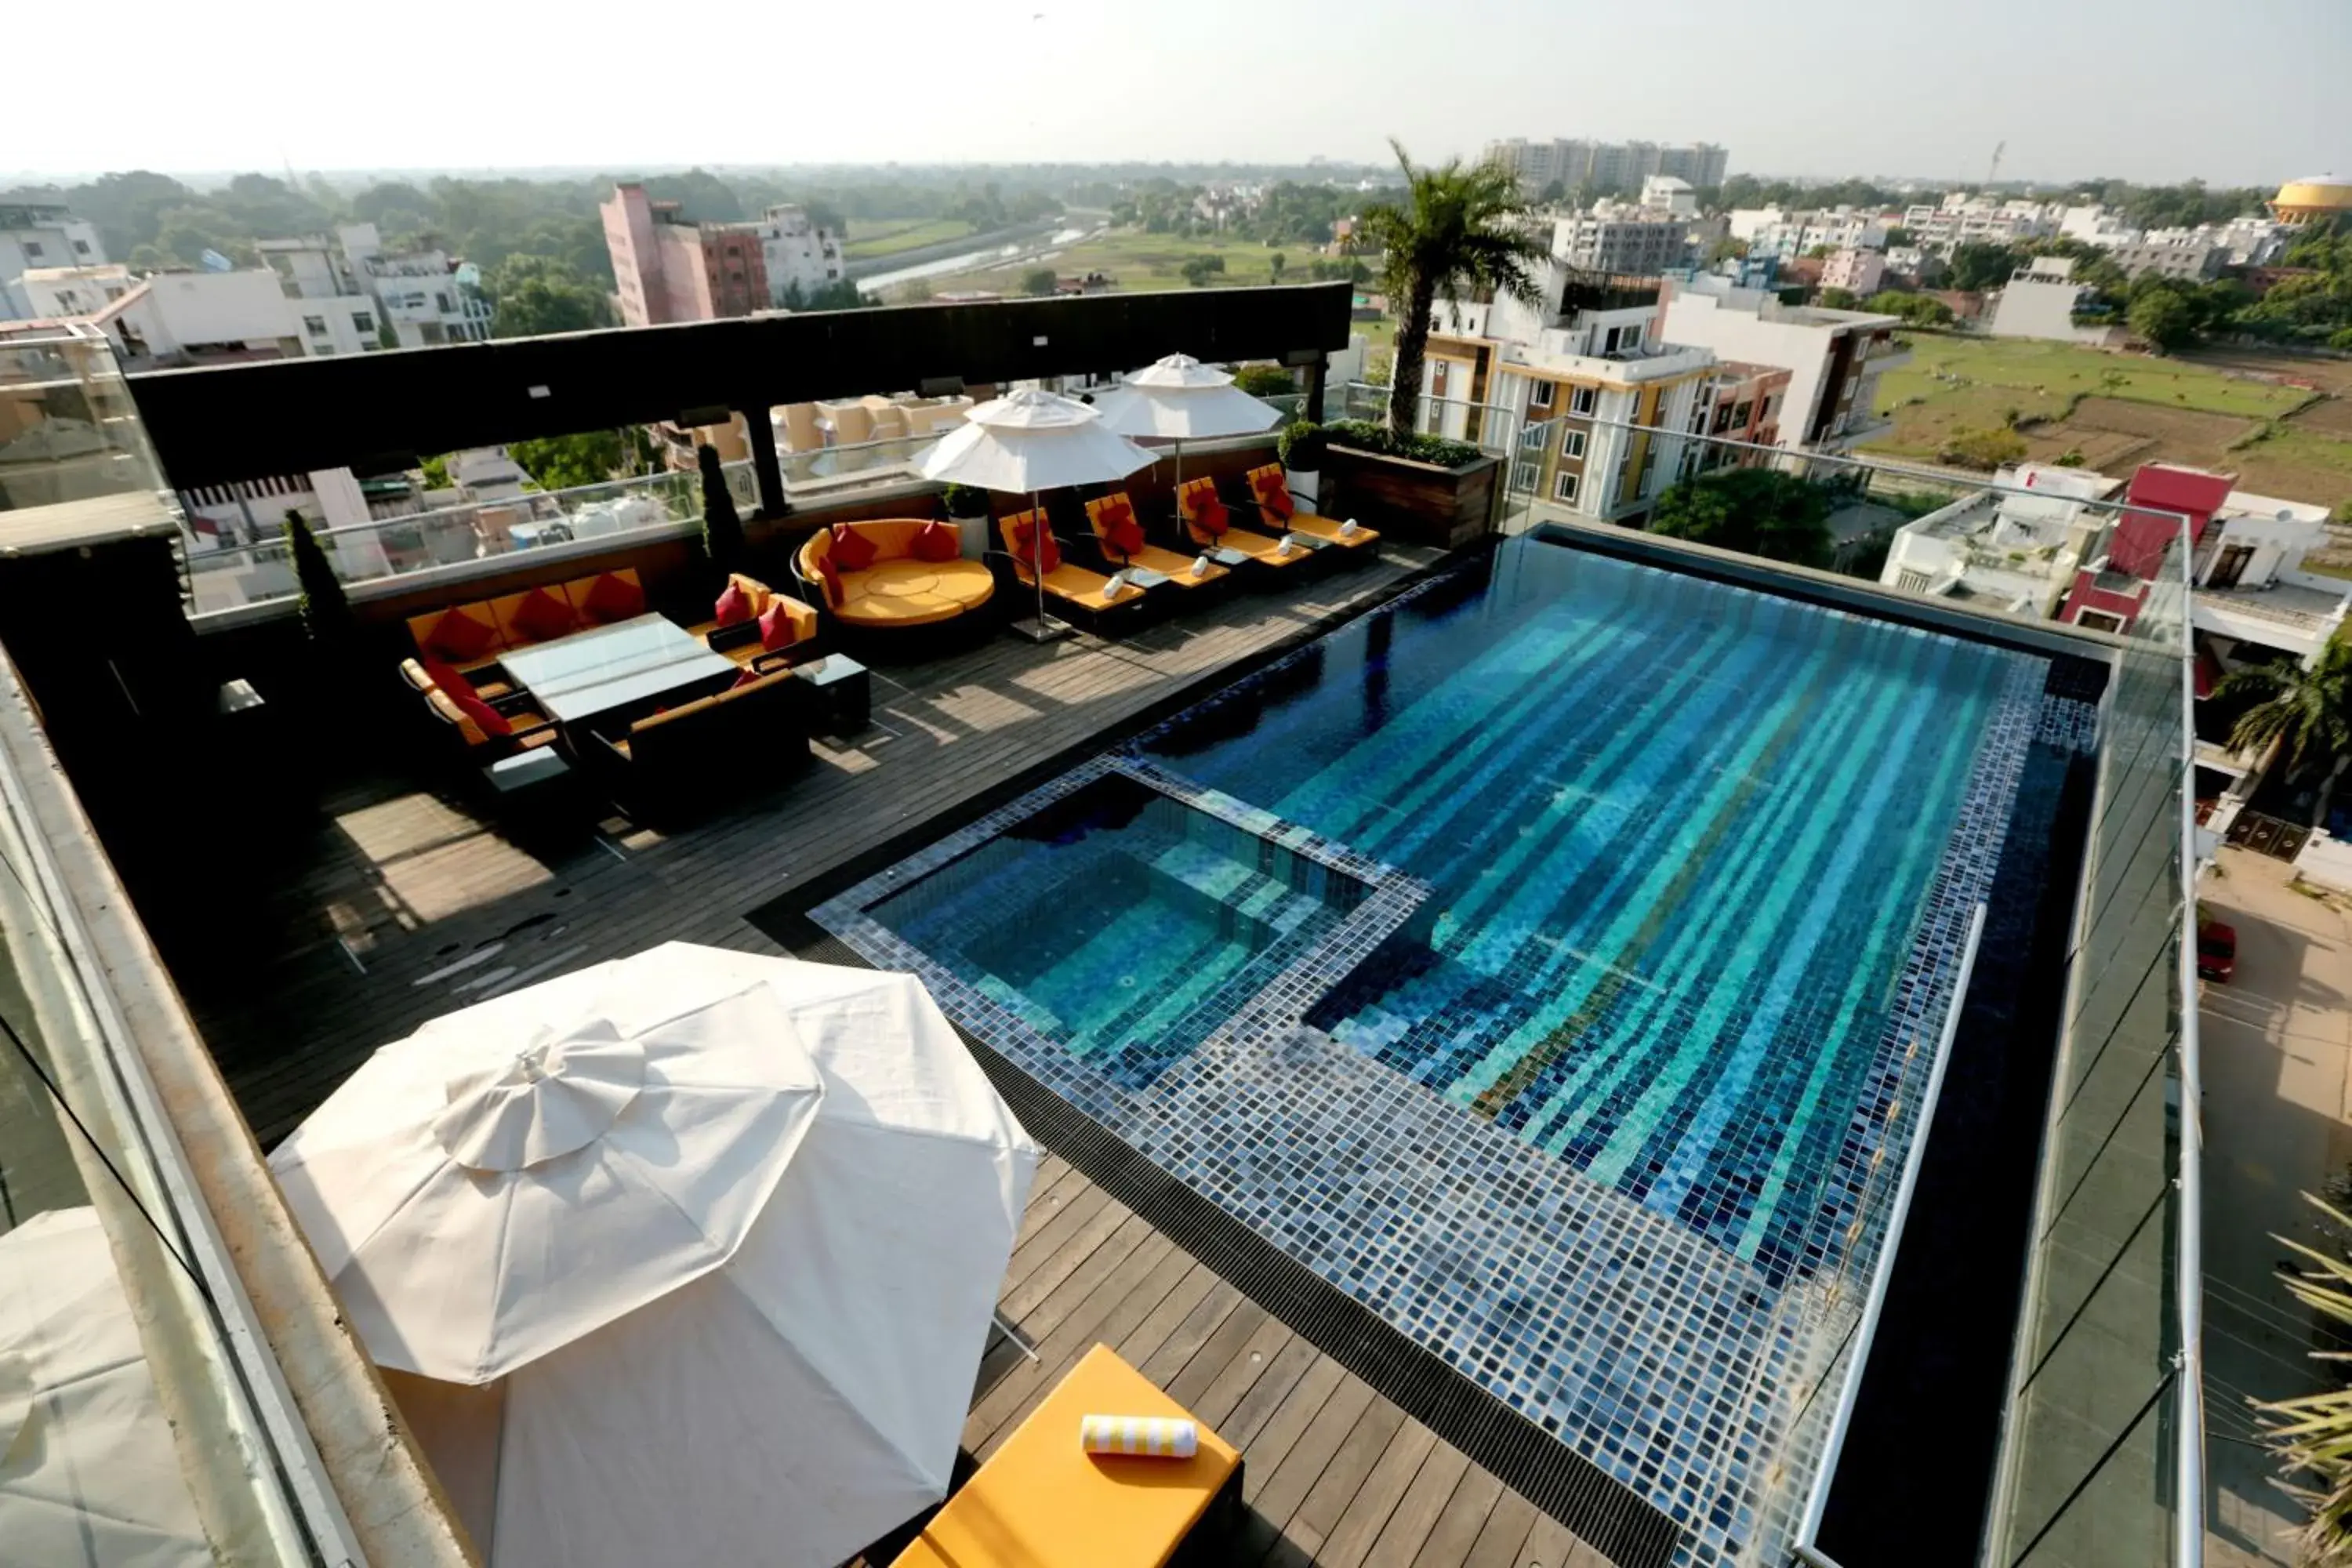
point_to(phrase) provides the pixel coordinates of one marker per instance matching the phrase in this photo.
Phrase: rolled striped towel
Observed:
(1154, 1437)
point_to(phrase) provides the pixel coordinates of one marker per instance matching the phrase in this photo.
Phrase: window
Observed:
(1584, 399)
(1563, 488)
(1571, 444)
(441, 304)
(1912, 581)
(315, 325)
(81, 247)
(1541, 396)
(33, 250)
(2099, 621)
(1523, 478)
(363, 321)
(1437, 369)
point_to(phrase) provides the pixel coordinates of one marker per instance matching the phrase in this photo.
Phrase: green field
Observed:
(1972, 380)
(869, 237)
(1140, 261)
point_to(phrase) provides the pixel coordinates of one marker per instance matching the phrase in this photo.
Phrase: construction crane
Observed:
(1992, 170)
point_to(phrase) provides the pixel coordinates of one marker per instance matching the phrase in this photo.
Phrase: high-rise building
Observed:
(1608, 165)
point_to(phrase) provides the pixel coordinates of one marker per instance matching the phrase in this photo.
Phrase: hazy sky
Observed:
(2236, 91)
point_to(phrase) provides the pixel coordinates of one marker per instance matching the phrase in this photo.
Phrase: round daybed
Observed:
(914, 574)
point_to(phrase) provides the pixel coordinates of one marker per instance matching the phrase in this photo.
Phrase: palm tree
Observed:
(2312, 1435)
(1457, 231)
(2305, 711)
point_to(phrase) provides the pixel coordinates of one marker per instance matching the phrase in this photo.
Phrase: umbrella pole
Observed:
(1044, 629)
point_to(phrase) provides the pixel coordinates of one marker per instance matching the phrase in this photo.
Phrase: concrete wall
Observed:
(2030, 308)
(1801, 350)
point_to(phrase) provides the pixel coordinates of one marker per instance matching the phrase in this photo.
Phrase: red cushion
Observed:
(777, 628)
(749, 678)
(1032, 551)
(542, 615)
(852, 550)
(831, 575)
(1274, 496)
(1121, 530)
(734, 607)
(613, 598)
(1211, 518)
(486, 718)
(447, 680)
(936, 542)
(460, 639)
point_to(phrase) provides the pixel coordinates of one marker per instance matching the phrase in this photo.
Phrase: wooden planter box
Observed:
(1419, 504)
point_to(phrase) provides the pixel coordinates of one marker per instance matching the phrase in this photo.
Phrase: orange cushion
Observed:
(734, 607)
(460, 639)
(1034, 550)
(486, 718)
(852, 550)
(831, 575)
(1211, 517)
(613, 598)
(542, 615)
(936, 542)
(777, 627)
(1273, 495)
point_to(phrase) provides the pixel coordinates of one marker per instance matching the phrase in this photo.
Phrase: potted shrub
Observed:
(1423, 489)
(1301, 448)
(967, 507)
(722, 529)
(326, 611)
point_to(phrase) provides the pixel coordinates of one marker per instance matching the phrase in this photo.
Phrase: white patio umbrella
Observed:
(1178, 398)
(88, 1472)
(704, 1275)
(1027, 443)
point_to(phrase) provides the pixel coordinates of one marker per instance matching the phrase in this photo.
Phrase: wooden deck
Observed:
(400, 901)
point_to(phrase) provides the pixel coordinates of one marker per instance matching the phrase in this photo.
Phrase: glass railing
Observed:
(227, 574)
(140, 1416)
(2102, 1457)
(68, 430)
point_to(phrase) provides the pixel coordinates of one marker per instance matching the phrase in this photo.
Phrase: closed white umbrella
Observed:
(785, 1403)
(87, 1473)
(1029, 442)
(1178, 399)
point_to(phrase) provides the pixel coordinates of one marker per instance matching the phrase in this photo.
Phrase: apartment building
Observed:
(1788, 233)
(1856, 270)
(2189, 258)
(1963, 219)
(1613, 165)
(1618, 237)
(350, 290)
(668, 269)
(39, 234)
(2017, 545)
(1835, 358)
(57, 293)
(1569, 381)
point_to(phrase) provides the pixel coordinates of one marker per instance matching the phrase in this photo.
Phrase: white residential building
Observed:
(36, 234)
(2015, 546)
(53, 293)
(1621, 238)
(1790, 233)
(420, 296)
(798, 251)
(1854, 270)
(1669, 196)
(1833, 358)
(1962, 219)
(174, 319)
(1575, 388)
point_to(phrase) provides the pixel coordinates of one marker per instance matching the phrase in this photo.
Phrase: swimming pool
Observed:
(1541, 960)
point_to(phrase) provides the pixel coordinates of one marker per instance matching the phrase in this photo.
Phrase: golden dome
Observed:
(2310, 197)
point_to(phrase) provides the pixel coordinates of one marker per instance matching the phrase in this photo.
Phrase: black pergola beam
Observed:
(369, 412)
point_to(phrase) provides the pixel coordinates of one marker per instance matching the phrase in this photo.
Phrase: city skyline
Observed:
(2100, 89)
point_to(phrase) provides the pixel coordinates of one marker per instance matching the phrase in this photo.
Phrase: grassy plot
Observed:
(869, 237)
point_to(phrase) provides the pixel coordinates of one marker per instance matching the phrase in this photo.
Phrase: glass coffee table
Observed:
(844, 693)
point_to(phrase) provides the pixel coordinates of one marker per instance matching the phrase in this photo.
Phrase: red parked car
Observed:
(2217, 951)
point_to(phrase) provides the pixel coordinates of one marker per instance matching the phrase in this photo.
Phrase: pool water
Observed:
(1122, 923)
(1681, 836)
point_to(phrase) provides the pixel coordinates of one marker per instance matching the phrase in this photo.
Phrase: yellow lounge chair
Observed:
(1189, 503)
(1177, 568)
(1267, 483)
(1074, 586)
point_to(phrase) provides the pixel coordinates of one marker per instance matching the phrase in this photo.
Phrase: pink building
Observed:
(666, 269)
